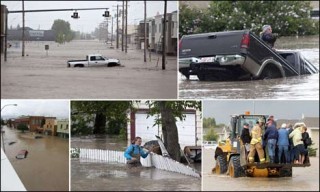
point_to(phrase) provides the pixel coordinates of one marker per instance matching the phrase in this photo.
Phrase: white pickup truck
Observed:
(94, 60)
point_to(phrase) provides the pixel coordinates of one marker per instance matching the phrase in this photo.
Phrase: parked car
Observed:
(94, 60)
(237, 55)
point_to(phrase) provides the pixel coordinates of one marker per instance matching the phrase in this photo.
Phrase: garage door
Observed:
(186, 129)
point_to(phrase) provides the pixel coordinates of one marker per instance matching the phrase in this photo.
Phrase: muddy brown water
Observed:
(46, 167)
(303, 179)
(298, 87)
(40, 76)
(95, 175)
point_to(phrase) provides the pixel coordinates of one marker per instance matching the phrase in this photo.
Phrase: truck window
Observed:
(289, 57)
(99, 58)
(92, 58)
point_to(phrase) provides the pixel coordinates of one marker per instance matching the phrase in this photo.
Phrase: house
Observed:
(31, 35)
(63, 128)
(33, 122)
(50, 126)
(189, 130)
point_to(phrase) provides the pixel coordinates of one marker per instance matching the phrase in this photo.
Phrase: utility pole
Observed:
(6, 39)
(23, 29)
(117, 26)
(164, 36)
(111, 30)
(122, 31)
(145, 31)
(126, 45)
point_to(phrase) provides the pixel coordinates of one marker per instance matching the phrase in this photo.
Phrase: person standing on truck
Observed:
(283, 143)
(300, 151)
(255, 143)
(134, 152)
(245, 136)
(271, 135)
(267, 36)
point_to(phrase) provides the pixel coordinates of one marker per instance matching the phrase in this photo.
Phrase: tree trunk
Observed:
(170, 131)
(99, 124)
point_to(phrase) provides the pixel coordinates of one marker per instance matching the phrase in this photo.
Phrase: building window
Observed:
(61, 126)
(160, 28)
(67, 126)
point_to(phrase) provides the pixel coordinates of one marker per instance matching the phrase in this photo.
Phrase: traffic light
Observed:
(106, 14)
(75, 15)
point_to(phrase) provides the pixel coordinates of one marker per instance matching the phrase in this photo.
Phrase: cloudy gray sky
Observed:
(88, 19)
(45, 107)
(281, 109)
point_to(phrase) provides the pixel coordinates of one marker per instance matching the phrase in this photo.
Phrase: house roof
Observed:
(309, 121)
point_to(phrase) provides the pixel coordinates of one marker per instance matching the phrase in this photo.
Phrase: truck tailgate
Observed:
(201, 45)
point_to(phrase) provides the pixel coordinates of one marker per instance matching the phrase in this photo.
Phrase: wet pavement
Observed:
(303, 179)
(40, 76)
(46, 167)
(95, 175)
(298, 87)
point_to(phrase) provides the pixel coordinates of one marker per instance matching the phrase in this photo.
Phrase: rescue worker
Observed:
(271, 135)
(134, 152)
(267, 36)
(255, 143)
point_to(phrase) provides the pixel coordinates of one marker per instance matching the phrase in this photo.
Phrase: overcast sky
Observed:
(221, 110)
(88, 19)
(45, 107)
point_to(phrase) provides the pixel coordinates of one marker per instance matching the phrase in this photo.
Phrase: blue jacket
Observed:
(271, 133)
(283, 138)
(134, 149)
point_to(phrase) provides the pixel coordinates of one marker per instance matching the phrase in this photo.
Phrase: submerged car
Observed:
(22, 154)
(237, 55)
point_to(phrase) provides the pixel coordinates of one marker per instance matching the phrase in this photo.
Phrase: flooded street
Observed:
(49, 76)
(47, 164)
(94, 175)
(303, 179)
(298, 87)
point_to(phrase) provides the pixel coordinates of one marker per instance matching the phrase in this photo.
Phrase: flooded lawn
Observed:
(46, 167)
(298, 87)
(95, 175)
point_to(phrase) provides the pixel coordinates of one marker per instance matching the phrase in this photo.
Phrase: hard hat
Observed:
(261, 120)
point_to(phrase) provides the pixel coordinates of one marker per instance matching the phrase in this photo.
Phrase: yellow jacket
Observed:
(256, 135)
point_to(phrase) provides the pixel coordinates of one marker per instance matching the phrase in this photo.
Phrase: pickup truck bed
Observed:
(237, 55)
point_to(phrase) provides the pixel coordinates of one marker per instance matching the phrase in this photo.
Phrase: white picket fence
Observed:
(158, 161)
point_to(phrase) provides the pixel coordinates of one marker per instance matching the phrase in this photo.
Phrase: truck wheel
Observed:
(235, 170)
(221, 164)
(270, 72)
(285, 172)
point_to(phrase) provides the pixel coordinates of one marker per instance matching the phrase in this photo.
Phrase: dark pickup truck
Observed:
(237, 55)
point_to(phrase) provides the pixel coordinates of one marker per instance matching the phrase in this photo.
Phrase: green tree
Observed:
(2, 122)
(285, 17)
(103, 112)
(63, 31)
(22, 127)
(169, 112)
(211, 135)
(209, 122)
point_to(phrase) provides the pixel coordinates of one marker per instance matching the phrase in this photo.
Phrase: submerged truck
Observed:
(237, 55)
(231, 156)
(94, 60)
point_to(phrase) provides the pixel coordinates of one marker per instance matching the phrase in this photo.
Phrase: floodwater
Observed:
(95, 175)
(303, 179)
(46, 167)
(298, 87)
(38, 75)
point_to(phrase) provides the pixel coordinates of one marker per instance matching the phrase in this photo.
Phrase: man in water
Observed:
(134, 152)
